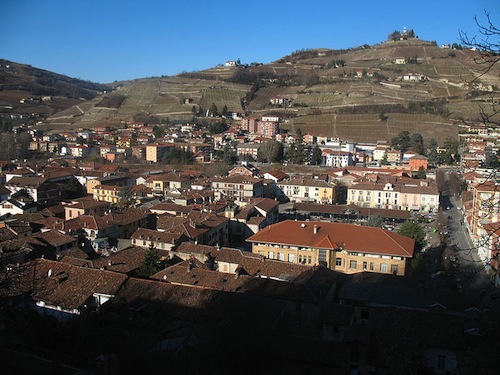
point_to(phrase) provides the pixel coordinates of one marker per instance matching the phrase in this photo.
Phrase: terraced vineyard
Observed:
(369, 127)
(220, 95)
(325, 100)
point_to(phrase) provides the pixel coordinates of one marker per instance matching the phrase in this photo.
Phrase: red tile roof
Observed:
(333, 236)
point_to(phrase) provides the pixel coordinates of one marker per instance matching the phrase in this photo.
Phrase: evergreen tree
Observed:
(213, 110)
(421, 173)
(417, 143)
(375, 221)
(401, 142)
(151, 263)
(384, 160)
(317, 156)
(158, 131)
(413, 230)
(229, 156)
(432, 152)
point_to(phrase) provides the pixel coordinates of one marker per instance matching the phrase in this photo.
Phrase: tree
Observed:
(213, 110)
(22, 194)
(384, 160)
(450, 156)
(492, 161)
(488, 46)
(317, 156)
(374, 221)
(295, 153)
(158, 131)
(421, 173)
(401, 142)
(125, 197)
(224, 110)
(217, 127)
(151, 263)
(73, 189)
(432, 153)
(395, 35)
(229, 155)
(270, 152)
(177, 156)
(417, 143)
(413, 229)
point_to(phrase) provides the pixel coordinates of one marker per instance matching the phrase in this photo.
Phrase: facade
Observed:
(250, 149)
(417, 195)
(239, 187)
(418, 161)
(39, 189)
(337, 159)
(161, 240)
(249, 124)
(155, 153)
(162, 183)
(85, 206)
(485, 206)
(346, 248)
(307, 190)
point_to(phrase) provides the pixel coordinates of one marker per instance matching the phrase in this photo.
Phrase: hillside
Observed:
(38, 93)
(359, 94)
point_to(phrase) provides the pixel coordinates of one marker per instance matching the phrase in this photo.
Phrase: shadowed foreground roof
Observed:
(60, 284)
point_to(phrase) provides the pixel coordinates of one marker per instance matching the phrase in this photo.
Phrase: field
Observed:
(369, 127)
(220, 95)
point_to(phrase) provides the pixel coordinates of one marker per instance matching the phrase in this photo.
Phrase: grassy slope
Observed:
(317, 107)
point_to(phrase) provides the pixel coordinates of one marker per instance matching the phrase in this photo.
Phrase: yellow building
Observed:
(155, 153)
(346, 248)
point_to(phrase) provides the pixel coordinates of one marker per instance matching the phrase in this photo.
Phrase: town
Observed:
(330, 212)
(120, 229)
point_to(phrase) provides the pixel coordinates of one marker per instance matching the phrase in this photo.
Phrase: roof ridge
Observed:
(389, 235)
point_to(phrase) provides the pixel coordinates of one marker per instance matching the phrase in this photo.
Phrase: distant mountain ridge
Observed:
(25, 89)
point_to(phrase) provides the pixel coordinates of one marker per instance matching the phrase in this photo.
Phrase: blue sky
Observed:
(108, 40)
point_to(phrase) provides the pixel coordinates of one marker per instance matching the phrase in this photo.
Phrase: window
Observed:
(365, 265)
(309, 259)
(353, 264)
(281, 256)
(372, 266)
(440, 364)
(383, 267)
(338, 262)
(365, 314)
(394, 269)
(271, 255)
(291, 258)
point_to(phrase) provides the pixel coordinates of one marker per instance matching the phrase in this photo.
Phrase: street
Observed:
(471, 277)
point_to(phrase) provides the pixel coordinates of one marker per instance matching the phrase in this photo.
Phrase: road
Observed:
(471, 276)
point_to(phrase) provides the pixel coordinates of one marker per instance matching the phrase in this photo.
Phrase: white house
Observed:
(14, 207)
(337, 159)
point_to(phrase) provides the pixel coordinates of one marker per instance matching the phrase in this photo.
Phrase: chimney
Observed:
(315, 229)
